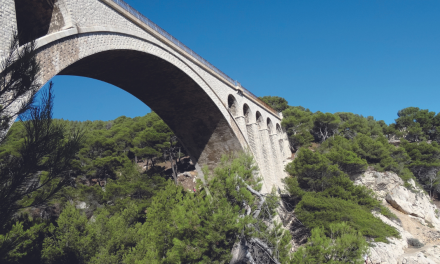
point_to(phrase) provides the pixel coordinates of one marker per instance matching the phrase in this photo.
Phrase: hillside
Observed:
(133, 194)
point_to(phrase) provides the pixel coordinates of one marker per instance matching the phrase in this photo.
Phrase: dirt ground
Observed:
(186, 176)
(425, 234)
(188, 180)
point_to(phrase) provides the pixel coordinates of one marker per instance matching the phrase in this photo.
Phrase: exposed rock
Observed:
(382, 252)
(395, 142)
(418, 215)
(388, 186)
(81, 205)
(380, 182)
(186, 174)
(426, 255)
(413, 202)
(188, 180)
(92, 219)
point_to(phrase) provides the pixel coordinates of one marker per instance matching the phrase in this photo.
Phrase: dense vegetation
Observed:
(111, 210)
(138, 215)
(330, 149)
(176, 227)
(108, 145)
(409, 147)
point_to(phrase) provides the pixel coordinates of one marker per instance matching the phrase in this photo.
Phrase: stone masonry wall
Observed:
(8, 24)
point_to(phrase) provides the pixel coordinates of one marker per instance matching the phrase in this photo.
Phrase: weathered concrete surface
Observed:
(98, 39)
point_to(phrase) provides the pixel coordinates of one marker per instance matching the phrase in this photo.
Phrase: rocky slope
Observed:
(418, 218)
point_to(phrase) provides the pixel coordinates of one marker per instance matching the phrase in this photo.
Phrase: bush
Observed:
(316, 210)
(343, 188)
(373, 150)
(297, 122)
(292, 187)
(342, 245)
(313, 170)
(347, 161)
(414, 242)
(278, 103)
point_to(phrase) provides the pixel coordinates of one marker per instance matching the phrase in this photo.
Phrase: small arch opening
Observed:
(232, 105)
(247, 113)
(280, 141)
(279, 131)
(259, 119)
(269, 126)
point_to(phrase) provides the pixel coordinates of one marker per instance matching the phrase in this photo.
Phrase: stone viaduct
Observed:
(108, 40)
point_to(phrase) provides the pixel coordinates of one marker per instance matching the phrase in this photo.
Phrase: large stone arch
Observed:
(163, 81)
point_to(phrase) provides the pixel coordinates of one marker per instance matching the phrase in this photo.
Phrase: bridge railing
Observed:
(167, 35)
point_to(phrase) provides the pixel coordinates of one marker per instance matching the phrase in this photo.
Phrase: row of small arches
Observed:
(246, 111)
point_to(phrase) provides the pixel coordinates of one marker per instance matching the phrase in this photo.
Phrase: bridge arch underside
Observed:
(186, 107)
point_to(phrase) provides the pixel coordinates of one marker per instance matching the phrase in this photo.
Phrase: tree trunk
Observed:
(173, 169)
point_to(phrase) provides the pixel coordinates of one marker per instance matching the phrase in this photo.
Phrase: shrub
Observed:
(292, 187)
(414, 242)
(313, 170)
(316, 210)
(342, 245)
(347, 161)
(343, 188)
(430, 225)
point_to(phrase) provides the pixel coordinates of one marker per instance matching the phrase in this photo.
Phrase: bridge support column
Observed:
(277, 159)
(286, 146)
(241, 121)
(252, 140)
(257, 149)
(267, 157)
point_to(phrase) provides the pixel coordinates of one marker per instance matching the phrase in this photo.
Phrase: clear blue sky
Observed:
(366, 57)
